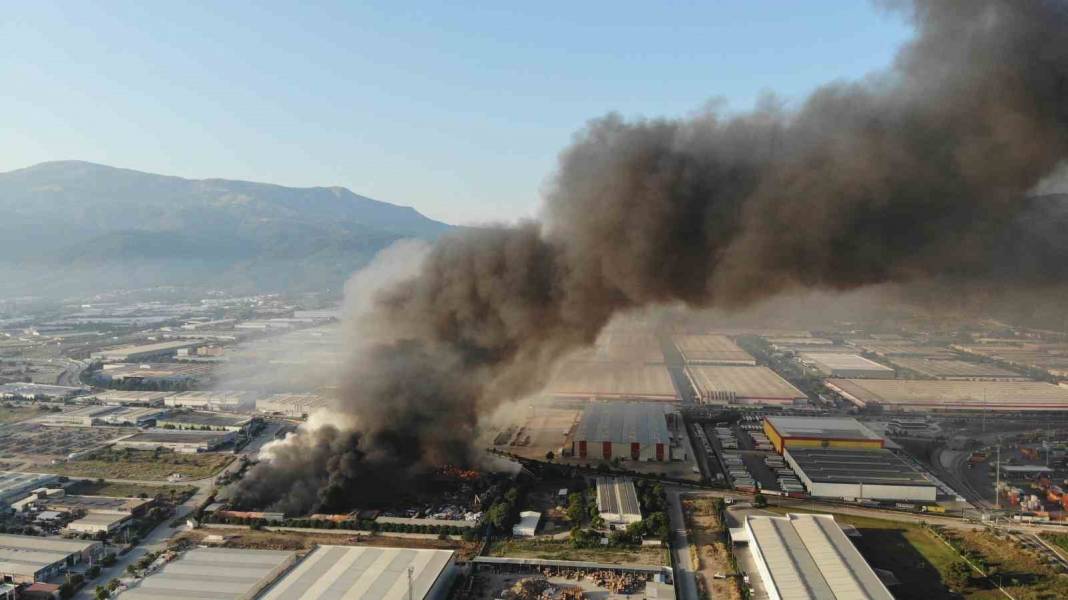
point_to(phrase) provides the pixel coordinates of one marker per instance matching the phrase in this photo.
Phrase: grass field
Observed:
(142, 465)
(130, 490)
(18, 413)
(562, 550)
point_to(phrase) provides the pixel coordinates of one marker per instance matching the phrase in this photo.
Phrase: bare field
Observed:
(707, 535)
(562, 550)
(142, 465)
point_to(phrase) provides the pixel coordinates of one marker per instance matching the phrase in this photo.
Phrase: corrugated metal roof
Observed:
(210, 574)
(839, 465)
(624, 423)
(808, 557)
(831, 428)
(617, 496)
(335, 572)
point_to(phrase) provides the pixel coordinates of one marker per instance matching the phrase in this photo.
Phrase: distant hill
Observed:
(71, 227)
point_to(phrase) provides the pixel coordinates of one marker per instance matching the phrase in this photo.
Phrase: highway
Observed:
(685, 578)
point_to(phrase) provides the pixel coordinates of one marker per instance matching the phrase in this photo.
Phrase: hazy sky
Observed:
(458, 110)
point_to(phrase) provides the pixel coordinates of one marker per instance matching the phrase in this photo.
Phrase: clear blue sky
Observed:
(457, 110)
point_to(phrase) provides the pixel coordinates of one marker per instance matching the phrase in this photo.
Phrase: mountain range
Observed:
(78, 227)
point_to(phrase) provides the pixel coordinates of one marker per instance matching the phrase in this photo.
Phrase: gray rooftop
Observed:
(205, 419)
(176, 436)
(808, 557)
(26, 554)
(622, 423)
(211, 574)
(832, 428)
(336, 572)
(870, 467)
(618, 496)
(14, 485)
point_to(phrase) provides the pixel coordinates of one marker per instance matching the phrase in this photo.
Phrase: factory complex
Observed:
(26, 559)
(14, 486)
(143, 352)
(591, 380)
(951, 369)
(340, 572)
(842, 364)
(711, 350)
(742, 385)
(809, 557)
(185, 442)
(935, 395)
(870, 474)
(627, 430)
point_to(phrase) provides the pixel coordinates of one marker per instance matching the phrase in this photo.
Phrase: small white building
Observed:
(527, 525)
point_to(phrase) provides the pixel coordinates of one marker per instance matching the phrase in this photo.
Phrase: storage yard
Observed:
(930, 395)
(742, 385)
(591, 380)
(711, 350)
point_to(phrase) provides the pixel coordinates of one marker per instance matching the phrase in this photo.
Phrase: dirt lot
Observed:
(293, 540)
(490, 586)
(143, 465)
(706, 534)
(562, 550)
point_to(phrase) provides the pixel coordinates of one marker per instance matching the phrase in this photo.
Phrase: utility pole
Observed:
(410, 569)
(997, 475)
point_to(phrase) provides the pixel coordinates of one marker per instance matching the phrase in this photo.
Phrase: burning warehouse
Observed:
(629, 431)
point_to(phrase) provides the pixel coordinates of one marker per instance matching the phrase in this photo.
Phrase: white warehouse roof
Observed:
(808, 557)
(211, 573)
(336, 572)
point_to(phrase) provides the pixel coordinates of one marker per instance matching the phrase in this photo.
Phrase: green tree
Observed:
(760, 501)
(958, 575)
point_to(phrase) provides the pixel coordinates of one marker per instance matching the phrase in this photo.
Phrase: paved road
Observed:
(685, 579)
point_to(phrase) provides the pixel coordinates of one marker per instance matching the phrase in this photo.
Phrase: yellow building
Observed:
(819, 432)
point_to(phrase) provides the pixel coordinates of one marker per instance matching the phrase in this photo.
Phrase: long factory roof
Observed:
(829, 428)
(211, 574)
(27, 554)
(928, 394)
(745, 382)
(711, 349)
(596, 379)
(869, 467)
(13, 483)
(624, 423)
(954, 368)
(843, 361)
(809, 557)
(336, 572)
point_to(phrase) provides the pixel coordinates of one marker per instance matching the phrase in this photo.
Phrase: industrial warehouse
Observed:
(337, 572)
(131, 397)
(26, 559)
(213, 400)
(185, 442)
(841, 364)
(296, 406)
(631, 430)
(145, 352)
(203, 421)
(217, 573)
(711, 350)
(591, 380)
(742, 385)
(809, 557)
(819, 432)
(931, 395)
(859, 475)
(956, 369)
(14, 486)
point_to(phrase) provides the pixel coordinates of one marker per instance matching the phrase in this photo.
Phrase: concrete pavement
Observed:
(685, 579)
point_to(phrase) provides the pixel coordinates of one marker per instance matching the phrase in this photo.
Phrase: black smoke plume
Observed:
(920, 172)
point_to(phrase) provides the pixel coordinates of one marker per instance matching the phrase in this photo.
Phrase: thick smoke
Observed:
(909, 175)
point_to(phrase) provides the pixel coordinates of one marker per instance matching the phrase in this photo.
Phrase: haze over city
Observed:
(364, 301)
